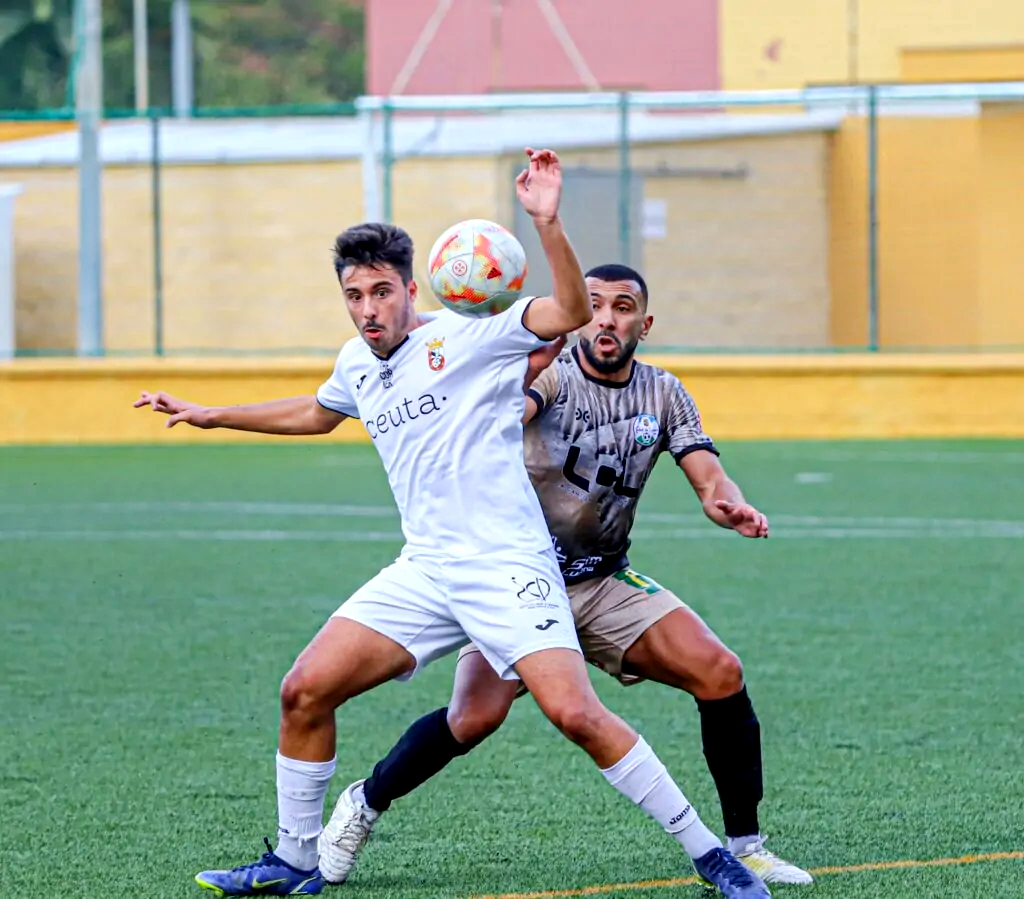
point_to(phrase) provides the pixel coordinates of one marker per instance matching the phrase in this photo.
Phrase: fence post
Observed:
(89, 112)
(873, 341)
(158, 237)
(624, 181)
(387, 161)
(371, 177)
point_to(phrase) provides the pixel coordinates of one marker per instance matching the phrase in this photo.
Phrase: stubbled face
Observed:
(620, 322)
(381, 306)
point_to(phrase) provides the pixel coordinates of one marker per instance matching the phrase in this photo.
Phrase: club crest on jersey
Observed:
(646, 429)
(435, 353)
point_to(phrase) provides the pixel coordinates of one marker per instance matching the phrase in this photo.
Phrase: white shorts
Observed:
(509, 605)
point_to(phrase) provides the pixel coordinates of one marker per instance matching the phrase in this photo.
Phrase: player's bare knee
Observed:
(723, 676)
(579, 720)
(303, 702)
(474, 724)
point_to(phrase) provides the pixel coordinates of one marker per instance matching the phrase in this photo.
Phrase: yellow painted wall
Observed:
(90, 401)
(928, 263)
(790, 43)
(1001, 232)
(22, 130)
(848, 235)
(779, 44)
(962, 64)
(761, 397)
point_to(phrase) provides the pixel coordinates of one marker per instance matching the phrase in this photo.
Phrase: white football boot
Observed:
(345, 834)
(767, 865)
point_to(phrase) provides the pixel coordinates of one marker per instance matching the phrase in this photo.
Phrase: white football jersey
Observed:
(444, 411)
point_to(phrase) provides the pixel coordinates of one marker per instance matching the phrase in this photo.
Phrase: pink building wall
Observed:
(670, 45)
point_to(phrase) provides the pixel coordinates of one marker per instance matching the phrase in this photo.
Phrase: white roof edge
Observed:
(311, 139)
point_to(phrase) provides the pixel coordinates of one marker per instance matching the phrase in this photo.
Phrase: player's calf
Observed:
(558, 681)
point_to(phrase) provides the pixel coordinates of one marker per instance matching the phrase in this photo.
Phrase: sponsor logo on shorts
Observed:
(639, 581)
(646, 429)
(534, 593)
(539, 588)
(546, 624)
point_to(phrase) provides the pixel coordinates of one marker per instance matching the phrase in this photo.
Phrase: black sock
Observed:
(731, 735)
(423, 750)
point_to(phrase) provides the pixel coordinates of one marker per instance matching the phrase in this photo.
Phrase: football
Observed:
(477, 268)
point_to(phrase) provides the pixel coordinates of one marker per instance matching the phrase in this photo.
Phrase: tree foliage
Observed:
(263, 53)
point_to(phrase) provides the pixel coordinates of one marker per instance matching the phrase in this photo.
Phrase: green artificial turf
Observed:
(152, 598)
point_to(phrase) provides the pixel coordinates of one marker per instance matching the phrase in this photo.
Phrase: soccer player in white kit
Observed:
(441, 396)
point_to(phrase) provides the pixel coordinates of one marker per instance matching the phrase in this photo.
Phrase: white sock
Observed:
(640, 776)
(743, 845)
(301, 791)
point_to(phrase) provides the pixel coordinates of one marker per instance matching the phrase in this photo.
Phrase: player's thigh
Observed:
(614, 612)
(344, 659)
(480, 698)
(558, 681)
(680, 650)
(406, 603)
(510, 606)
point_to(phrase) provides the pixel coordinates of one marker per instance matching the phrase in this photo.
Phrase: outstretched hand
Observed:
(178, 410)
(539, 185)
(743, 518)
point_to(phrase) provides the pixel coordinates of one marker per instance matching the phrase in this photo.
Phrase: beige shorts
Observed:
(611, 614)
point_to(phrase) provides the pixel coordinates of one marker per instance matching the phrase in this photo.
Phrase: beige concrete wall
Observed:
(246, 255)
(433, 193)
(744, 262)
(246, 248)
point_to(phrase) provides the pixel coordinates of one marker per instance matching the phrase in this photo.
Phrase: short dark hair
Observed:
(612, 271)
(376, 244)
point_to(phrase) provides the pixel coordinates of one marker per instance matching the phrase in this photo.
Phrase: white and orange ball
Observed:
(477, 268)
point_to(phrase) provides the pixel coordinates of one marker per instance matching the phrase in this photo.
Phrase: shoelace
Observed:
(354, 834)
(265, 859)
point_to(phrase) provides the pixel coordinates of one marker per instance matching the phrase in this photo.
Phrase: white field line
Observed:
(332, 510)
(228, 508)
(653, 526)
(707, 532)
(259, 536)
(805, 454)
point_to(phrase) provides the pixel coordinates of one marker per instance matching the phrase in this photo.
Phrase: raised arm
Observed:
(297, 415)
(539, 189)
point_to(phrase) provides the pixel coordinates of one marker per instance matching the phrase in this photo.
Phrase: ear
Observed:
(413, 289)
(648, 321)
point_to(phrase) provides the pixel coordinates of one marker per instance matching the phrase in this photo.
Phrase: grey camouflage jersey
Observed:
(590, 450)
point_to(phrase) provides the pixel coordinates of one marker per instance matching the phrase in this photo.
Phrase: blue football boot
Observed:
(270, 876)
(722, 869)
